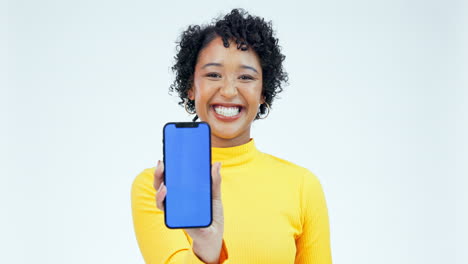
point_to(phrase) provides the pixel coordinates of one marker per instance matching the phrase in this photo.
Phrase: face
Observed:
(227, 90)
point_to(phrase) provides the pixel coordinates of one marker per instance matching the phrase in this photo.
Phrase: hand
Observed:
(207, 241)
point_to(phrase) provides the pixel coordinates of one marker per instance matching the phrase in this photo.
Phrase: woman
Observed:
(265, 210)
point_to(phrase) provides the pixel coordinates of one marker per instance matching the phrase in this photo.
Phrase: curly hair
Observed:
(246, 31)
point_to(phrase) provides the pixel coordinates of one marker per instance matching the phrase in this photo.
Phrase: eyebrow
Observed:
(221, 65)
(249, 67)
(212, 64)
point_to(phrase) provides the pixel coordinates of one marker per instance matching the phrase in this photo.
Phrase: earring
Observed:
(269, 109)
(186, 108)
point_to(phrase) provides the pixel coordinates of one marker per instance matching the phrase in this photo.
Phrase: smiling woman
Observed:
(266, 209)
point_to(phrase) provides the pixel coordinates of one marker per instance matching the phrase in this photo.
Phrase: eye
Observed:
(246, 77)
(213, 75)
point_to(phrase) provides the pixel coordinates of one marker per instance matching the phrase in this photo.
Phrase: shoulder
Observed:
(143, 182)
(292, 169)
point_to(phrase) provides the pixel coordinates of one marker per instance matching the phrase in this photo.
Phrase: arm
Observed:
(313, 246)
(157, 243)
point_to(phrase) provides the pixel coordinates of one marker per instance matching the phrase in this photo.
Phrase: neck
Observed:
(241, 155)
(218, 142)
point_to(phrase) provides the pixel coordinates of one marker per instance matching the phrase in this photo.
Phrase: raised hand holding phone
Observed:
(207, 241)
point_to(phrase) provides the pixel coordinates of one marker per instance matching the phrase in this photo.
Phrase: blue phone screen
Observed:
(187, 174)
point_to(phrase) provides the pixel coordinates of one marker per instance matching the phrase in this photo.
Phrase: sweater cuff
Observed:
(223, 256)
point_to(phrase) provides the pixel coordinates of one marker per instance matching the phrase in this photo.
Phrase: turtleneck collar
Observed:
(233, 156)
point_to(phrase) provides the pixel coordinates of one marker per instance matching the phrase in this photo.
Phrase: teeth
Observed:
(226, 111)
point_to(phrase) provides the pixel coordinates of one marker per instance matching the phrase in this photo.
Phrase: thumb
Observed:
(216, 178)
(158, 175)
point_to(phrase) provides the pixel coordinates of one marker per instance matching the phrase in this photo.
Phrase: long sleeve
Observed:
(313, 245)
(157, 243)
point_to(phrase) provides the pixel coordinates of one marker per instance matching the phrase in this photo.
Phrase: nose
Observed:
(228, 88)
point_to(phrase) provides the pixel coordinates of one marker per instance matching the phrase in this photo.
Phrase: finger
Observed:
(160, 196)
(216, 177)
(158, 175)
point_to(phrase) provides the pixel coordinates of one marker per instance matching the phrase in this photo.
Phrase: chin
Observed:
(225, 129)
(225, 132)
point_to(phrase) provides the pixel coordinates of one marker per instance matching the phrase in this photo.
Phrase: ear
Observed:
(190, 94)
(262, 100)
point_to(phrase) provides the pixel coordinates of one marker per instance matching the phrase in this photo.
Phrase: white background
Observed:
(376, 108)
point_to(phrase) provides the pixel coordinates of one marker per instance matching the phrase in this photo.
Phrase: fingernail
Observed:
(159, 162)
(160, 186)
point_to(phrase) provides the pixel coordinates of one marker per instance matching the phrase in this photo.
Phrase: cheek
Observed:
(203, 90)
(253, 94)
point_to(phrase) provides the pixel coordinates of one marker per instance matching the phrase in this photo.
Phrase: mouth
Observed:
(227, 112)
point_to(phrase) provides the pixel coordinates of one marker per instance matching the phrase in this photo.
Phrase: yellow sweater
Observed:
(274, 212)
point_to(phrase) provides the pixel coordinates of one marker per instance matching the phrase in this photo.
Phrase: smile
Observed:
(227, 113)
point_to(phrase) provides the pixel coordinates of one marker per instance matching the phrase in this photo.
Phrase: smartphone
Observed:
(187, 174)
